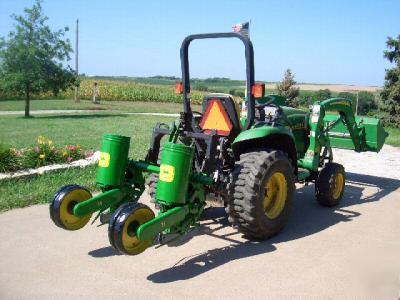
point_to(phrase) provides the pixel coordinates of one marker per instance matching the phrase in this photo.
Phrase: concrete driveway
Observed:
(344, 252)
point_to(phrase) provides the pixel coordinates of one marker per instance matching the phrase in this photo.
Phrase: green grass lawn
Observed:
(40, 189)
(394, 136)
(118, 106)
(83, 129)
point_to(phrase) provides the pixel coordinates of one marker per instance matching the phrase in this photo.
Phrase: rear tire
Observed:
(330, 184)
(261, 193)
(151, 182)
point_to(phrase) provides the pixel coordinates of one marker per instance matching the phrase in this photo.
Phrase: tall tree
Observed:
(32, 59)
(287, 87)
(391, 91)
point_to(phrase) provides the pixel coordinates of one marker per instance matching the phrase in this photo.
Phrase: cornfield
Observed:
(117, 90)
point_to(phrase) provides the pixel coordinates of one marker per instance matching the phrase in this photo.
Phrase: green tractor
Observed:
(250, 161)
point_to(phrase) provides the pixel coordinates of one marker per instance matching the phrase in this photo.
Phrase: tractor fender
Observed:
(279, 138)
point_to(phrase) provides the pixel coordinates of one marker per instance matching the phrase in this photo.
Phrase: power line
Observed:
(77, 58)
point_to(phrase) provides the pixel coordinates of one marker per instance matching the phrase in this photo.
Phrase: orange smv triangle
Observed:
(215, 118)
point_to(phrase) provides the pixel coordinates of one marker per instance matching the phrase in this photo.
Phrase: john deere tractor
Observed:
(250, 160)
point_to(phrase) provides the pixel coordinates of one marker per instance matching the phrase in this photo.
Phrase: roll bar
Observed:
(249, 55)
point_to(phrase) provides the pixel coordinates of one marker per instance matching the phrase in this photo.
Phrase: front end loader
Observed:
(250, 161)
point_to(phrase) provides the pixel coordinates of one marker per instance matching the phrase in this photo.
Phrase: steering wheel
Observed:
(261, 110)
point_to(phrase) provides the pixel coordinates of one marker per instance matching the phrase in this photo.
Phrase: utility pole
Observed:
(357, 104)
(76, 58)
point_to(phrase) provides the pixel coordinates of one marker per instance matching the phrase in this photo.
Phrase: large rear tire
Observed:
(261, 193)
(151, 182)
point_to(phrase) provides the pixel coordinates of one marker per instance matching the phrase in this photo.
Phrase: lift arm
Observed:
(319, 134)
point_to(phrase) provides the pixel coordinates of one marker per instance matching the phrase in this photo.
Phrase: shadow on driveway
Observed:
(104, 252)
(307, 218)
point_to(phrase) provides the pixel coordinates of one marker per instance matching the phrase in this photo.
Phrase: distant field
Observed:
(338, 88)
(161, 89)
(116, 90)
(226, 83)
(216, 83)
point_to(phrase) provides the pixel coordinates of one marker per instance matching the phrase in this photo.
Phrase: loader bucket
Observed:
(373, 134)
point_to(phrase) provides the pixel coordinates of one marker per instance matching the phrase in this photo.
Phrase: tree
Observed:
(31, 59)
(390, 94)
(287, 88)
(366, 101)
(323, 94)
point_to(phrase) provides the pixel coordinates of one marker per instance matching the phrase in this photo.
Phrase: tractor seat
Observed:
(221, 113)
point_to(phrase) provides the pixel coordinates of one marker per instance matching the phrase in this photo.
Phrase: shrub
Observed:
(44, 153)
(323, 94)
(9, 159)
(72, 152)
(41, 154)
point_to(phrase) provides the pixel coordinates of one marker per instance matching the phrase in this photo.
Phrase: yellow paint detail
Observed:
(299, 126)
(167, 173)
(130, 242)
(339, 185)
(344, 103)
(275, 195)
(104, 160)
(215, 119)
(67, 218)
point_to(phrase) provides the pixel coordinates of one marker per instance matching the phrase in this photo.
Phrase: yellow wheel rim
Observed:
(67, 217)
(275, 195)
(338, 185)
(130, 242)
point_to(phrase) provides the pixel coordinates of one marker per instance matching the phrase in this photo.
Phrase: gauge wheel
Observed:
(62, 207)
(123, 228)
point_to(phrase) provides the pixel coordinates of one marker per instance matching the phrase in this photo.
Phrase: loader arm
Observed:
(319, 132)
(345, 110)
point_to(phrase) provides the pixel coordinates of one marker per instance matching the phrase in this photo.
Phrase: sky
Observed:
(320, 41)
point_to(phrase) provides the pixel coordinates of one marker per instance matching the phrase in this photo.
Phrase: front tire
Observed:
(330, 184)
(261, 193)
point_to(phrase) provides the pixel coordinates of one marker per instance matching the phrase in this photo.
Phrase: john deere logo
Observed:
(104, 160)
(167, 173)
